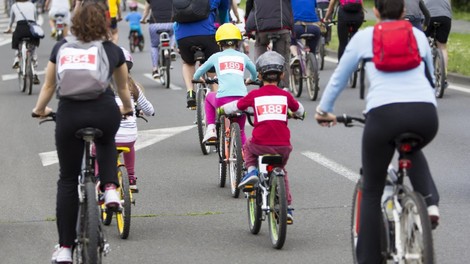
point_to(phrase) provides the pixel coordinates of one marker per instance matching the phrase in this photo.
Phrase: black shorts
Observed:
(443, 31)
(207, 43)
(113, 23)
(22, 31)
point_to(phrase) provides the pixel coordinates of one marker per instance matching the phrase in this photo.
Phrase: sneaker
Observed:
(290, 215)
(36, 79)
(211, 134)
(155, 74)
(16, 63)
(173, 56)
(191, 99)
(62, 255)
(111, 197)
(133, 185)
(249, 180)
(433, 212)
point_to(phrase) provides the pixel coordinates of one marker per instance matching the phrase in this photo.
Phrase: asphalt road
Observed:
(181, 216)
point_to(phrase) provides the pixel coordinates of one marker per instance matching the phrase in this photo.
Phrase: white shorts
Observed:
(60, 10)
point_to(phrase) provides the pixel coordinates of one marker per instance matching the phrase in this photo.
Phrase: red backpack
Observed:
(395, 47)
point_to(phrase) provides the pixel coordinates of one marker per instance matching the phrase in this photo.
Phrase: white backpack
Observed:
(82, 70)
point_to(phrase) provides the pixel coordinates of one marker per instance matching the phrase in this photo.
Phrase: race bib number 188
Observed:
(271, 108)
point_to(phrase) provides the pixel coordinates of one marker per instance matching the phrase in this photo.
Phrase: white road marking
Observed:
(172, 86)
(332, 165)
(146, 138)
(13, 76)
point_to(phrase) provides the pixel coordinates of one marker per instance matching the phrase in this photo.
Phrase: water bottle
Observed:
(387, 199)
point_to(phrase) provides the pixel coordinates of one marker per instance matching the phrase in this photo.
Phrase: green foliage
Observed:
(461, 5)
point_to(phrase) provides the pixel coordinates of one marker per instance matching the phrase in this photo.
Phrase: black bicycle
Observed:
(407, 236)
(90, 244)
(439, 64)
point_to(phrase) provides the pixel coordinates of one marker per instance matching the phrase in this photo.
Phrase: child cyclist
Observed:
(230, 66)
(127, 133)
(270, 133)
(134, 18)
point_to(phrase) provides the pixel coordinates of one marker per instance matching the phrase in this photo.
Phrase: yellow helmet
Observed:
(228, 31)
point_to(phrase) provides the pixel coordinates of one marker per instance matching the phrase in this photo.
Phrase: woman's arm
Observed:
(47, 91)
(329, 12)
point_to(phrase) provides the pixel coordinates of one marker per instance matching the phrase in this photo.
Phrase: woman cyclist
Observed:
(230, 66)
(397, 102)
(88, 24)
(23, 11)
(350, 18)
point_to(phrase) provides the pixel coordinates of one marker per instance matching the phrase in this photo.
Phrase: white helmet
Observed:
(129, 59)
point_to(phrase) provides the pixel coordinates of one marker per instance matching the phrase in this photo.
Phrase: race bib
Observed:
(271, 108)
(231, 64)
(78, 59)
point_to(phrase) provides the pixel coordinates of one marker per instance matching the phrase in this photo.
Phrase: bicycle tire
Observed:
(167, 70)
(221, 151)
(132, 43)
(28, 78)
(439, 72)
(277, 216)
(106, 217)
(201, 119)
(415, 225)
(296, 80)
(123, 217)
(356, 202)
(311, 76)
(353, 79)
(91, 251)
(141, 44)
(21, 77)
(59, 35)
(322, 53)
(254, 202)
(235, 159)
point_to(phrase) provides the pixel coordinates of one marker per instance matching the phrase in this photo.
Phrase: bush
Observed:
(461, 5)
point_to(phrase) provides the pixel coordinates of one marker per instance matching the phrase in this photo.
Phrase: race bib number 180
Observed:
(271, 108)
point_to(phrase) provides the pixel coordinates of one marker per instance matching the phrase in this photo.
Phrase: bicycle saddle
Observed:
(411, 140)
(198, 53)
(88, 132)
(307, 36)
(271, 159)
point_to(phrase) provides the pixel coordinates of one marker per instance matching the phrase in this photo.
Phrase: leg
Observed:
(154, 43)
(210, 107)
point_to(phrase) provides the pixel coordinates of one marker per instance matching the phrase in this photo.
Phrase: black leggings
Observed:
(345, 21)
(103, 114)
(382, 126)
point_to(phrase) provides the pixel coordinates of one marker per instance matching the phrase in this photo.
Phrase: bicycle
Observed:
(135, 41)
(229, 148)
(201, 90)
(25, 65)
(439, 64)
(324, 38)
(59, 26)
(123, 217)
(90, 243)
(407, 236)
(268, 199)
(164, 60)
(306, 69)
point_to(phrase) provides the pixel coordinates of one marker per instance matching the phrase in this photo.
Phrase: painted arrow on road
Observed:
(146, 138)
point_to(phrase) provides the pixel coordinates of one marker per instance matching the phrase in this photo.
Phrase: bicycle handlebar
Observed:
(50, 117)
(350, 121)
(206, 80)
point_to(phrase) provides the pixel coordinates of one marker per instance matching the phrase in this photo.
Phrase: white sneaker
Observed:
(211, 134)
(61, 255)
(433, 212)
(111, 197)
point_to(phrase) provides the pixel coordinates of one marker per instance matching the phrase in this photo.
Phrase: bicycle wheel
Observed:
(235, 160)
(21, 66)
(321, 53)
(165, 70)
(132, 43)
(416, 229)
(201, 118)
(123, 217)
(221, 150)
(89, 227)
(141, 44)
(439, 73)
(254, 202)
(277, 216)
(311, 75)
(28, 74)
(356, 202)
(295, 80)
(106, 217)
(353, 79)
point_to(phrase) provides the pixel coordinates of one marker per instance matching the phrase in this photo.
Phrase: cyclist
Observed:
(323, 6)
(88, 24)
(266, 17)
(114, 7)
(58, 7)
(413, 11)
(160, 20)
(230, 66)
(397, 102)
(350, 18)
(200, 33)
(134, 18)
(127, 133)
(21, 12)
(441, 12)
(305, 21)
(271, 134)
